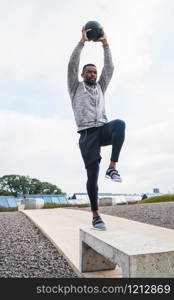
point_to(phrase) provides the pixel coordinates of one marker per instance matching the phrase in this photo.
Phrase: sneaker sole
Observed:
(116, 180)
(99, 229)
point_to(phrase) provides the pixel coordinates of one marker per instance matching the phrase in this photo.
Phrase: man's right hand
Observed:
(84, 35)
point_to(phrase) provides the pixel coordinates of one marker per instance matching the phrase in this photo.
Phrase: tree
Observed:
(48, 188)
(35, 187)
(23, 185)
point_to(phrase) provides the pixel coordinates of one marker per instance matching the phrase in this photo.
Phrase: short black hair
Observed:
(87, 65)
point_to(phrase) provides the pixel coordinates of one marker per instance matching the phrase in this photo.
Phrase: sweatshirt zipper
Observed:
(96, 111)
(85, 90)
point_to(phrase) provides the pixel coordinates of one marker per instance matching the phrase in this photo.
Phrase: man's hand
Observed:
(103, 39)
(84, 35)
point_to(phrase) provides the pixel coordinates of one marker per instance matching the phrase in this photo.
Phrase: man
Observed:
(88, 105)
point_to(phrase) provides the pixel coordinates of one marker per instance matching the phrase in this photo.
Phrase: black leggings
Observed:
(113, 133)
(92, 184)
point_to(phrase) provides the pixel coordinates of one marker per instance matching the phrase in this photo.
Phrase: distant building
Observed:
(14, 201)
(116, 198)
(156, 191)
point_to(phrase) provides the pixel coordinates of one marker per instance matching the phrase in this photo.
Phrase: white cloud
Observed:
(37, 37)
(43, 148)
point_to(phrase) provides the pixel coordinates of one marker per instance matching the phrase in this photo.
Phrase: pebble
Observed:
(159, 214)
(26, 253)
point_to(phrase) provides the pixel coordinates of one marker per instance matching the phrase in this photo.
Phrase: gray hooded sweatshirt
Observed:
(88, 102)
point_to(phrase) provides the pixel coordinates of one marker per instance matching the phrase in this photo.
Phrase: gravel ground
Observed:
(26, 252)
(159, 214)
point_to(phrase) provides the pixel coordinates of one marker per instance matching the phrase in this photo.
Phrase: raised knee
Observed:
(120, 123)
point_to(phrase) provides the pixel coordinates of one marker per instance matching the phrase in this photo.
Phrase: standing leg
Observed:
(89, 143)
(92, 189)
(92, 186)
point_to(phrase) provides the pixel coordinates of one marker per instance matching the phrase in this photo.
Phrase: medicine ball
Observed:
(96, 32)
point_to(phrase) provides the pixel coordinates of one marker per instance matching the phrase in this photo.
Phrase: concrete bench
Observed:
(141, 250)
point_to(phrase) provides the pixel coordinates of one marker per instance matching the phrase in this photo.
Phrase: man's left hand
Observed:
(103, 39)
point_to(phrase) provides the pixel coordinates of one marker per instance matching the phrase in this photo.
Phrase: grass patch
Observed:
(56, 205)
(158, 199)
(6, 209)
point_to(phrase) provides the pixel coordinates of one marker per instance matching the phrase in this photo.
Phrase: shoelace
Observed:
(112, 172)
(97, 220)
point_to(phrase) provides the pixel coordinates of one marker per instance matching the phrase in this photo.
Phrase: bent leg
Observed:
(117, 139)
(113, 133)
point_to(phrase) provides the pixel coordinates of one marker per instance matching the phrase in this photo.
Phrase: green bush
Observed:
(154, 199)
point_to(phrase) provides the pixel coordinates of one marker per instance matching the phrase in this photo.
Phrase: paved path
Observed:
(62, 226)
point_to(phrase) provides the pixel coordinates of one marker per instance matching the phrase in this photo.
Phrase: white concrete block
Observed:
(33, 203)
(104, 201)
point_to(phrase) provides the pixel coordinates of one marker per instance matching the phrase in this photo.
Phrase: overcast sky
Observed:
(38, 133)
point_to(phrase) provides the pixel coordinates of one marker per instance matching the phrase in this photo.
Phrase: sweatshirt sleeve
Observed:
(107, 70)
(73, 69)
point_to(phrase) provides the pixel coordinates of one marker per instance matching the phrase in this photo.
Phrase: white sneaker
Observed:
(98, 224)
(113, 174)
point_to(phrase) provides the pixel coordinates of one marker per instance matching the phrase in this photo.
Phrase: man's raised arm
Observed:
(108, 67)
(73, 66)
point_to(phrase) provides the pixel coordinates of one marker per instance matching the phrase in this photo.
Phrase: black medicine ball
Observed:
(96, 32)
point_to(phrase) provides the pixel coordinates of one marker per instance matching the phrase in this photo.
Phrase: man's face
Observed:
(90, 75)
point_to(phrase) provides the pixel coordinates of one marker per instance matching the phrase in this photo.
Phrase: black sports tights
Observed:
(112, 133)
(92, 185)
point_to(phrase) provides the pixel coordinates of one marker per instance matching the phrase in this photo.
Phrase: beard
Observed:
(90, 81)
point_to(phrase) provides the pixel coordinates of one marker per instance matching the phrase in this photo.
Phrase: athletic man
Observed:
(88, 105)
